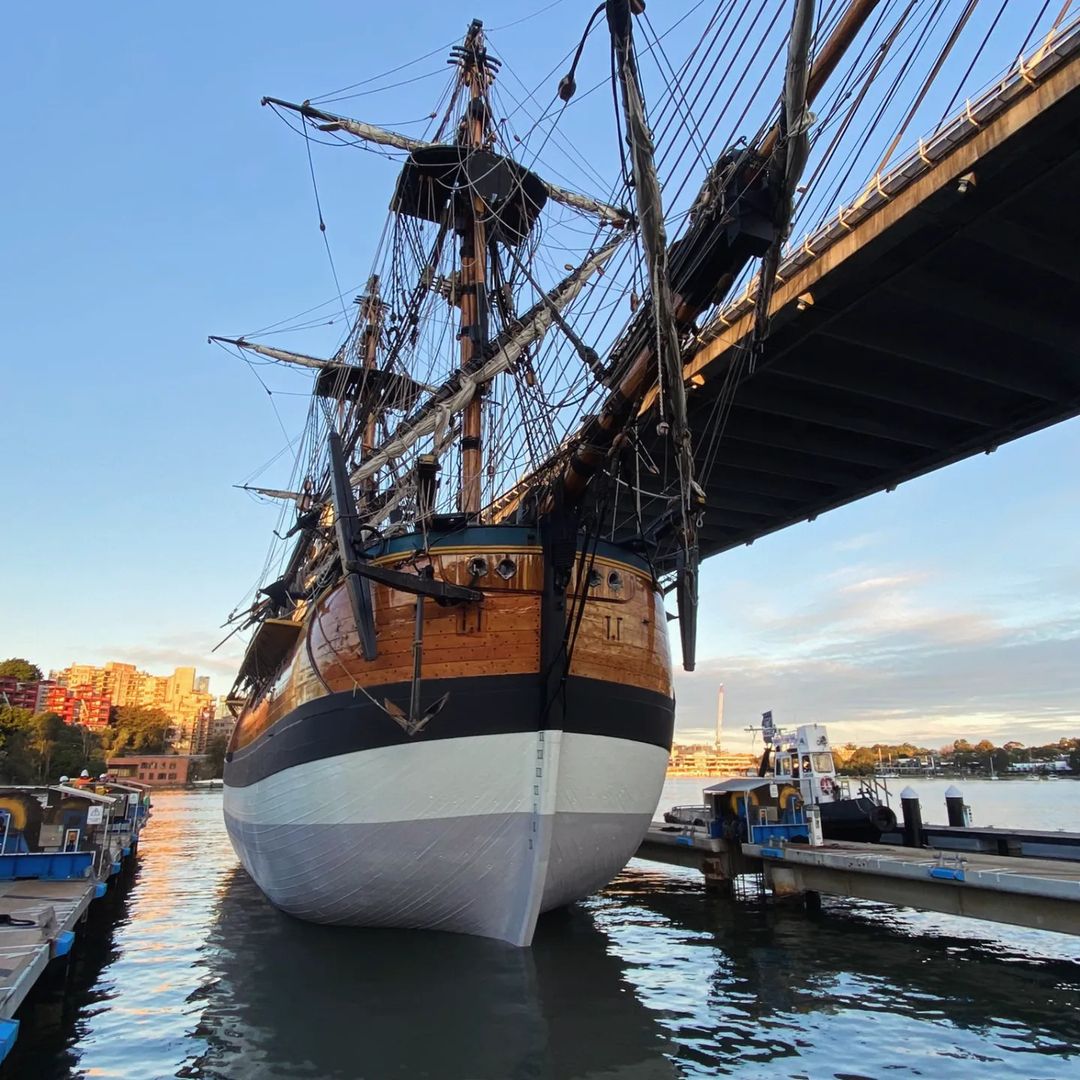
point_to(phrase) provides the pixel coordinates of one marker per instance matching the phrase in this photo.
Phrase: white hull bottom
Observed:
(475, 835)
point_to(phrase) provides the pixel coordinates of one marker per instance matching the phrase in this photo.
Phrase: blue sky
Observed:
(150, 201)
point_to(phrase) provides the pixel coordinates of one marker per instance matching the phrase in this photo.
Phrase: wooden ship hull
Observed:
(507, 796)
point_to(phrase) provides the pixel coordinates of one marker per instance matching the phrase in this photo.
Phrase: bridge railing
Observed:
(1060, 45)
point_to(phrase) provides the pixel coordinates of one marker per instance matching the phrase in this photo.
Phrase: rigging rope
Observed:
(727, 76)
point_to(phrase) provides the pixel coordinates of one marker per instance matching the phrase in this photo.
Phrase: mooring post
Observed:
(717, 876)
(913, 831)
(954, 805)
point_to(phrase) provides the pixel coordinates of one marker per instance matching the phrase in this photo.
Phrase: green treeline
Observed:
(960, 756)
(18, 668)
(39, 747)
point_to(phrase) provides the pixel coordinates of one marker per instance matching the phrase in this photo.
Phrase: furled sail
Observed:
(614, 215)
(532, 329)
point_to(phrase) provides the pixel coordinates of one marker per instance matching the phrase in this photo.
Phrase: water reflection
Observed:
(193, 974)
(852, 989)
(292, 999)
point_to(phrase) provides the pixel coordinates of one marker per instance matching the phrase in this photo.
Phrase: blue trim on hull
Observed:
(498, 536)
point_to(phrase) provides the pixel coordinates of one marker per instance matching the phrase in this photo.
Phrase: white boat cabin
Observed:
(804, 759)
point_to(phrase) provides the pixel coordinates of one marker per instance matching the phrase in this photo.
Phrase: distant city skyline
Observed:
(86, 694)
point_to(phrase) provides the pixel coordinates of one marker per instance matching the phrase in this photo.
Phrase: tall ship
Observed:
(455, 709)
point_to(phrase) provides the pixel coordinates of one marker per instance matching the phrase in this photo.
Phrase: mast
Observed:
(616, 216)
(470, 227)
(669, 375)
(449, 400)
(286, 356)
(372, 311)
(688, 300)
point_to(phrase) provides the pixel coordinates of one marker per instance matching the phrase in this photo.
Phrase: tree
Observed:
(16, 667)
(36, 748)
(17, 762)
(137, 730)
(48, 729)
(861, 762)
(77, 748)
(215, 756)
(985, 746)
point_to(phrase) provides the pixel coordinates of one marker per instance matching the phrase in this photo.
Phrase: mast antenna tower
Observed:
(719, 715)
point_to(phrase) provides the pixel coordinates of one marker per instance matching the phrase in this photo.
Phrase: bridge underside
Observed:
(953, 328)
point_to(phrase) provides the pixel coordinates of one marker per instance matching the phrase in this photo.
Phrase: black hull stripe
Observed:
(478, 705)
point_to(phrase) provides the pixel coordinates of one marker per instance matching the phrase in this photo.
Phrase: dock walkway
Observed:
(53, 908)
(999, 886)
(1028, 843)
(61, 847)
(1040, 893)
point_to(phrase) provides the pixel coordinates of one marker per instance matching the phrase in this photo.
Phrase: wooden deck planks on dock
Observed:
(54, 908)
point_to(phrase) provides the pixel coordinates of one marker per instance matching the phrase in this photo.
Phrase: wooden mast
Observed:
(472, 290)
(640, 374)
(372, 311)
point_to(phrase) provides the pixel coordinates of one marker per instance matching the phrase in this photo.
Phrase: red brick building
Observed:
(158, 770)
(77, 705)
(19, 695)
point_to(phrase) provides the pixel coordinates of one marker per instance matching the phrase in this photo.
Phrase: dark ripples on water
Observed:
(192, 974)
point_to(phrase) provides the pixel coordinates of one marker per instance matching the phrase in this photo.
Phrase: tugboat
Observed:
(802, 760)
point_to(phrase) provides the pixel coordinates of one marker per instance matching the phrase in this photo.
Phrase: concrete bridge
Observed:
(933, 319)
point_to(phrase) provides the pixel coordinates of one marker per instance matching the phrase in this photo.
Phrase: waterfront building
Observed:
(80, 704)
(701, 759)
(1055, 765)
(221, 727)
(84, 693)
(124, 682)
(214, 721)
(158, 770)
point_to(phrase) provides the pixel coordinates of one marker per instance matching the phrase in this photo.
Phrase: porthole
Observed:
(614, 581)
(594, 579)
(478, 566)
(506, 569)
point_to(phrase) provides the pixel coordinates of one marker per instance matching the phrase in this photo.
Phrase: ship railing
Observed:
(875, 788)
(688, 815)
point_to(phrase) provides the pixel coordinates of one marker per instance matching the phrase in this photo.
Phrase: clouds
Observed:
(161, 656)
(885, 654)
(858, 542)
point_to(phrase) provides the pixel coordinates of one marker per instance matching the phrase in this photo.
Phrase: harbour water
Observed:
(196, 976)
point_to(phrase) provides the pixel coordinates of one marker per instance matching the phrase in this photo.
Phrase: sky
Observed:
(149, 202)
